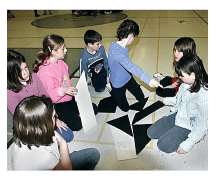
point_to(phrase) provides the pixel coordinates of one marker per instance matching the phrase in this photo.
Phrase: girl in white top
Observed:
(37, 146)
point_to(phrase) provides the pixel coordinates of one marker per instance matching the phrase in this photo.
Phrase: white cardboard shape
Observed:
(84, 104)
(124, 144)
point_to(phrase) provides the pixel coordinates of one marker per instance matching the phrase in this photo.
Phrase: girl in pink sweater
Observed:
(53, 72)
(21, 84)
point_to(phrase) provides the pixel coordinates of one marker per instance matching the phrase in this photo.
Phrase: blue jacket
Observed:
(121, 68)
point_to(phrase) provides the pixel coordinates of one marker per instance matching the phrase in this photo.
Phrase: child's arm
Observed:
(132, 68)
(105, 61)
(200, 126)
(55, 92)
(65, 163)
(83, 66)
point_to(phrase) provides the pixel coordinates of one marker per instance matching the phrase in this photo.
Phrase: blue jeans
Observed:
(67, 135)
(85, 159)
(168, 134)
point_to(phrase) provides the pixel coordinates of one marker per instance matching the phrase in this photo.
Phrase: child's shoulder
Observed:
(84, 52)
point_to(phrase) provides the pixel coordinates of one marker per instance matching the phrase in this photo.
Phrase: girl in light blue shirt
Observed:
(182, 130)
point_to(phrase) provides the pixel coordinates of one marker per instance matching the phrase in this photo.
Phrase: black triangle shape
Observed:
(150, 109)
(123, 124)
(140, 136)
(107, 105)
(139, 105)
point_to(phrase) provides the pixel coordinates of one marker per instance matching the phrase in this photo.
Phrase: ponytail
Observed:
(38, 61)
(50, 42)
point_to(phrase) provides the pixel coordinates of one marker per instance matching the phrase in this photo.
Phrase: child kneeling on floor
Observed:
(93, 60)
(182, 130)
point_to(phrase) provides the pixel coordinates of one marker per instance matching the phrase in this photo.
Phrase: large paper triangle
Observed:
(107, 105)
(123, 124)
(150, 109)
(139, 105)
(140, 136)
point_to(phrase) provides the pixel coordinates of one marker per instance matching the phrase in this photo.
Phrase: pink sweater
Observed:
(54, 77)
(35, 88)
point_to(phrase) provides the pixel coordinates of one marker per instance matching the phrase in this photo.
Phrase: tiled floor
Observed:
(152, 51)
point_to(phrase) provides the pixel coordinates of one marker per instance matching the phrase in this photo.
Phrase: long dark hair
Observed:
(185, 45)
(32, 122)
(14, 60)
(193, 64)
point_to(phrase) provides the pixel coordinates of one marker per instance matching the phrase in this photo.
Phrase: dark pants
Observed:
(119, 94)
(68, 112)
(99, 81)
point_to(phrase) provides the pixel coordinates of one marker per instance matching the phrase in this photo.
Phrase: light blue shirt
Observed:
(192, 113)
(121, 68)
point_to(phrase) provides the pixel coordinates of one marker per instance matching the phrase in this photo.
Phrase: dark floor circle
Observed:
(71, 21)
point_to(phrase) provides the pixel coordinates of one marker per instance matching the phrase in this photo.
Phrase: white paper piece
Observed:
(124, 144)
(145, 120)
(84, 104)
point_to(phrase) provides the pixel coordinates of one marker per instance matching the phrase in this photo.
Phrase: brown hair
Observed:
(32, 122)
(185, 45)
(14, 60)
(50, 42)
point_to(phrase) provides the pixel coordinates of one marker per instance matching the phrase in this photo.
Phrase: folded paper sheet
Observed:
(124, 144)
(84, 104)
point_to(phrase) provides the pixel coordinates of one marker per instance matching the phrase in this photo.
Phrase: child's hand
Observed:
(180, 150)
(61, 125)
(154, 83)
(108, 80)
(70, 90)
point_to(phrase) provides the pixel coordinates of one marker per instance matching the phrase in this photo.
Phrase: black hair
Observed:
(127, 27)
(193, 64)
(92, 36)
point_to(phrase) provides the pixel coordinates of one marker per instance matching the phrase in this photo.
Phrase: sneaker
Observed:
(158, 76)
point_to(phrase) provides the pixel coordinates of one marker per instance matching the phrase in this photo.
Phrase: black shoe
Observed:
(37, 15)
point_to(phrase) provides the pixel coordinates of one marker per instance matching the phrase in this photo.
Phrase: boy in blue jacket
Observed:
(121, 68)
(93, 60)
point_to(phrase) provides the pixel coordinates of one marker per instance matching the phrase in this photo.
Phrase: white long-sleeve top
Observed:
(192, 113)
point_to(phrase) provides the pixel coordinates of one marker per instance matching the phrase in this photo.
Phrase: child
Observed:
(93, 60)
(53, 72)
(121, 68)
(38, 147)
(182, 130)
(21, 83)
(182, 46)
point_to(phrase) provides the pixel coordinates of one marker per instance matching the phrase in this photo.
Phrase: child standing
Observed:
(53, 72)
(37, 146)
(21, 84)
(121, 68)
(182, 47)
(93, 60)
(182, 130)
